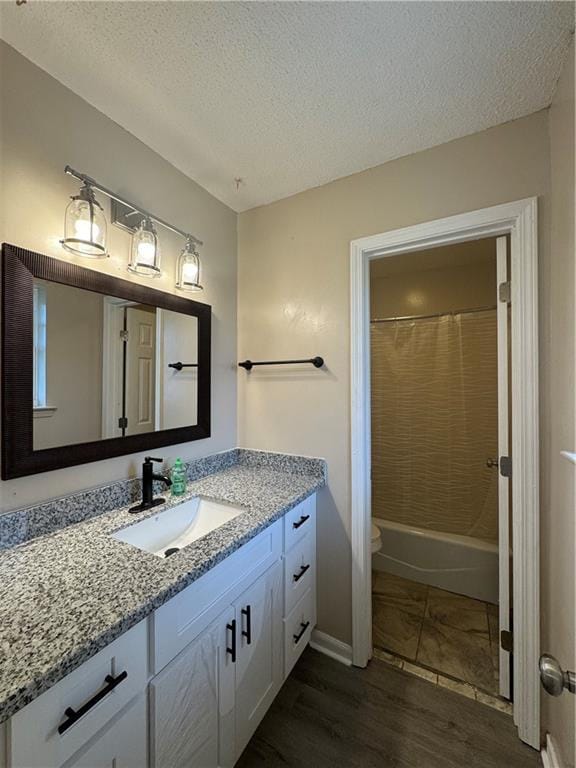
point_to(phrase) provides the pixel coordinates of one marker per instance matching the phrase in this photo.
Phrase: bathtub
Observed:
(459, 564)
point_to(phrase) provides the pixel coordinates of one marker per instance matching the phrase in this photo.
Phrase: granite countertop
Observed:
(68, 594)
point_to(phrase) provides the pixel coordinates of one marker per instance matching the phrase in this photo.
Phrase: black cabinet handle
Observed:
(73, 715)
(247, 633)
(298, 637)
(232, 650)
(303, 569)
(300, 522)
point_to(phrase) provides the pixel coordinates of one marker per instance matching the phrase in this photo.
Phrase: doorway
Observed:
(518, 222)
(130, 366)
(434, 356)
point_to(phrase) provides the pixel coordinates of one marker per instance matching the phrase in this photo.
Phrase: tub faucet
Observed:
(148, 477)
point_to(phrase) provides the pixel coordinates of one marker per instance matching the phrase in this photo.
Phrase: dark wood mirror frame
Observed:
(19, 268)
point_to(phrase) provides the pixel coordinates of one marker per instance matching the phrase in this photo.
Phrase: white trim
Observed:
(519, 220)
(502, 312)
(43, 411)
(550, 754)
(332, 647)
(111, 365)
(159, 370)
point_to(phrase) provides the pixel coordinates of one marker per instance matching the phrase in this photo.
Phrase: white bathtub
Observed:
(459, 564)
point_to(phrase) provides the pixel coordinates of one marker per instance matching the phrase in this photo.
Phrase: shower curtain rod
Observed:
(436, 314)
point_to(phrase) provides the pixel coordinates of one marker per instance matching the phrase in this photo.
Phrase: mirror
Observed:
(104, 367)
(94, 366)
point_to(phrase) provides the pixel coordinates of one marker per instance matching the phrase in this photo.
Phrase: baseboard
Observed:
(332, 647)
(551, 754)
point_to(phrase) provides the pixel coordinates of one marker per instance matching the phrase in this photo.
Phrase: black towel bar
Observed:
(317, 362)
(178, 366)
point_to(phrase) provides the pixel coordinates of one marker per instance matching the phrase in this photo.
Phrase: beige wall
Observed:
(73, 367)
(558, 417)
(294, 301)
(44, 126)
(419, 291)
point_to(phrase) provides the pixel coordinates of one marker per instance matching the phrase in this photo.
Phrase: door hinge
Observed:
(506, 640)
(505, 466)
(123, 422)
(123, 335)
(504, 292)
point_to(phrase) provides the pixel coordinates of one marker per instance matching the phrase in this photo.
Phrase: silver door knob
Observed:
(553, 677)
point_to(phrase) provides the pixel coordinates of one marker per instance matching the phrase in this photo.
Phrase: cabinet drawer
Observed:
(33, 732)
(298, 628)
(298, 521)
(122, 744)
(181, 619)
(299, 570)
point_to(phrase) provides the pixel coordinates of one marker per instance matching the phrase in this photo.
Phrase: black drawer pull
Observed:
(73, 715)
(300, 522)
(247, 633)
(303, 569)
(232, 650)
(298, 637)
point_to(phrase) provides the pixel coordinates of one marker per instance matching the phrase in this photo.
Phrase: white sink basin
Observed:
(179, 526)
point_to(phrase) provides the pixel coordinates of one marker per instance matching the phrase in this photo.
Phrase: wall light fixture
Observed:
(144, 252)
(85, 234)
(85, 225)
(188, 275)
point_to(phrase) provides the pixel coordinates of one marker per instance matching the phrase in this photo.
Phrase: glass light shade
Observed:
(188, 278)
(85, 226)
(145, 252)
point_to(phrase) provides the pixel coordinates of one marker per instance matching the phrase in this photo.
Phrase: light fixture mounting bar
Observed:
(113, 196)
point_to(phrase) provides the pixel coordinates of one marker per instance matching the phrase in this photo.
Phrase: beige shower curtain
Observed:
(435, 421)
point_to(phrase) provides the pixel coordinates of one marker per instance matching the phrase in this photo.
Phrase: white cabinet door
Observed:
(259, 658)
(192, 703)
(123, 744)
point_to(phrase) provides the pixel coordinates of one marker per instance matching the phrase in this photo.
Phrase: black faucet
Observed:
(148, 477)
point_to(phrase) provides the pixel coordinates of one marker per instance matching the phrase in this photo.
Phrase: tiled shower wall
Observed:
(434, 423)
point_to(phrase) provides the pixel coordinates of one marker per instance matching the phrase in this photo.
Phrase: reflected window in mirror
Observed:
(39, 351)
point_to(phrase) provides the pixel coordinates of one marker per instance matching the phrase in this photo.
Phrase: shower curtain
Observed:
(435, 422)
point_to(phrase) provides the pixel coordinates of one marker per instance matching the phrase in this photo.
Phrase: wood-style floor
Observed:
(331, 716)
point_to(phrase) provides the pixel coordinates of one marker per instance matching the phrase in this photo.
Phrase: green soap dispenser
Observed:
(178, 476)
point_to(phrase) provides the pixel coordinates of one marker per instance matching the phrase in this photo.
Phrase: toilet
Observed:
(376, 538)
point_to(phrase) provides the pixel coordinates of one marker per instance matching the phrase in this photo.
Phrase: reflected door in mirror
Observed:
(101, 367)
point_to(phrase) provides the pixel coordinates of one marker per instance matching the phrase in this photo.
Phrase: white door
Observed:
(140, 370)
(192, 703)
(259, 659)
(123, 744)
(503, 452)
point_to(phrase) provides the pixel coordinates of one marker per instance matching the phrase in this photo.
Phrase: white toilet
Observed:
(376, 537)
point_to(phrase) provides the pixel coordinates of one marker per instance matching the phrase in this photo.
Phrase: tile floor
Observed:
(438, 631)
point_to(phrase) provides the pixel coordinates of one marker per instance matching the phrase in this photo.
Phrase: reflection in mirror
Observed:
(102, 367)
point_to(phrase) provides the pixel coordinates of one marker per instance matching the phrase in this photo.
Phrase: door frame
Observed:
(519, 220)
(111, 366)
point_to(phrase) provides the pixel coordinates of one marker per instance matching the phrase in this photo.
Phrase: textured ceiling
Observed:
(289, 95)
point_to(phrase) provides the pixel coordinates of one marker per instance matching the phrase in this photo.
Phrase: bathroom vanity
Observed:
(187, 684)
(158, 638)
